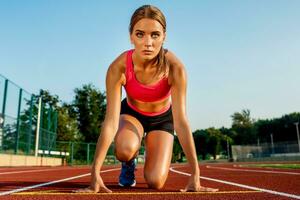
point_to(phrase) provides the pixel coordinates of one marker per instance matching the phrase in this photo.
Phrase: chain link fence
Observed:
(79, 153)
(267, 151)
(18, 121)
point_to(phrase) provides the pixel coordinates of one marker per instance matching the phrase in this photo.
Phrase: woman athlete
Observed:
(155, 83)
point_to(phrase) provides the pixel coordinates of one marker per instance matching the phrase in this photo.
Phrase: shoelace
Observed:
(129, 170)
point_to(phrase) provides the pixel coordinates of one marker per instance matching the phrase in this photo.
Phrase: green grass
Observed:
(278, 166)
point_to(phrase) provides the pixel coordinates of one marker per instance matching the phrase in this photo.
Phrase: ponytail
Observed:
(162, 63)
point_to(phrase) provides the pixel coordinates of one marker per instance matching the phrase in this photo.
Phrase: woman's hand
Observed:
(96, 185)
(194, 186)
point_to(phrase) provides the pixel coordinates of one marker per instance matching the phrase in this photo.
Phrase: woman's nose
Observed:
(148, 41)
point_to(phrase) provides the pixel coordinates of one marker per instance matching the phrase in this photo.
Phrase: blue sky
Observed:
(238, 54)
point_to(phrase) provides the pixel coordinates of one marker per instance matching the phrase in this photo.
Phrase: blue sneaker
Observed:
(127, 177)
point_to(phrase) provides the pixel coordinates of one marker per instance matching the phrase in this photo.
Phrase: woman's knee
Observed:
(126, 148)
(128, 138)
(125, 153)
(155, 180)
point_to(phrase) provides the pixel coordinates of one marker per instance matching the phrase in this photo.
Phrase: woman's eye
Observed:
(139, 35)
(155, 35)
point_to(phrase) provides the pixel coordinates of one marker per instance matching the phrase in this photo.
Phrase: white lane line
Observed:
(29, 171)
(51, 183)
(253, 170)
(241, 185)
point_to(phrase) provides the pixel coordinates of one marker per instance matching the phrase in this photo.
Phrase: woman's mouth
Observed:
(147, 52)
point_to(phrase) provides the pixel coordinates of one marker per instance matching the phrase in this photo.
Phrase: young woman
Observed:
(155, 82)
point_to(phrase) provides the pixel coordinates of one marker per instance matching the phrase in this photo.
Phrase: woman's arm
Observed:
(181, 125)
(178, 92)
(114, 80)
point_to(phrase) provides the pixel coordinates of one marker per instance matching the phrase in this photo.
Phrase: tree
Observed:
(283, 129)
(89, 106)
(177, 151)
(241, 119)
(242, 125)
(201, 139)
(227, 141)
(214, 142)
(67, 127)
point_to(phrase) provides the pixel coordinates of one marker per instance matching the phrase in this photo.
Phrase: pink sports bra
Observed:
(146, 93)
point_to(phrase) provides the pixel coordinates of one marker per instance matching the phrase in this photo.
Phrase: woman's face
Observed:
(147, 37)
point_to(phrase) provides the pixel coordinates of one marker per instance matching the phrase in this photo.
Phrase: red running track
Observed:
(234, 182)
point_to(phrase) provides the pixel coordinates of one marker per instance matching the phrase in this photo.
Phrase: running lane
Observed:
(175, 182)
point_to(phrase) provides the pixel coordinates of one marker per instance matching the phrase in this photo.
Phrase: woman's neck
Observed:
(142, 62)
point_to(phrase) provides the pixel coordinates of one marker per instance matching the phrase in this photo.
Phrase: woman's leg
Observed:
(159, 147)
(128, 138)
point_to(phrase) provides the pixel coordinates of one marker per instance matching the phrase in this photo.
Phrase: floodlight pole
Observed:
(297, 129)
(272, 143)
(228, 154)
(38, 128)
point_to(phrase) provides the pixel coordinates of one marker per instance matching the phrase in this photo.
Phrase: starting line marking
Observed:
(241, 185)
(134, 193)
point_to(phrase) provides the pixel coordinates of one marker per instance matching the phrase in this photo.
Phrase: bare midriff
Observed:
(150, 107)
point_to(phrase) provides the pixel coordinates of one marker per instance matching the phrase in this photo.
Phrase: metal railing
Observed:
(282, 150)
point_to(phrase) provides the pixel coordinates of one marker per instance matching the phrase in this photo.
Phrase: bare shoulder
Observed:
(117, 68)
(119, 64)
(172, 58)
(177, 69)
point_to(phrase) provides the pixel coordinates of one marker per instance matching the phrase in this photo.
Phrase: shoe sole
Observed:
(132, 185)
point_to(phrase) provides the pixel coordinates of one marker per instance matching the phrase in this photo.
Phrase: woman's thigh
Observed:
(128, 138)
(159, 148)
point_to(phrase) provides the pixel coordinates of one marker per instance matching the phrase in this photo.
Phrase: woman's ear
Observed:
(131, 39)
(165, 36)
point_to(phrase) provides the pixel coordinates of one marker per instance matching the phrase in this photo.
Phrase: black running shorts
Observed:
(163, 122)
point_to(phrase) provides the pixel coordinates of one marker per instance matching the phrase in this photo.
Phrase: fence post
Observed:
(48, 128)
(88, 154)
(3, 114)
(272, 144)
(258, 148)
(72, 150)
(297, 130)
(1, 130)
(18, 122)
(4, 98)
(227, 144)
(38, 128)
(55, 121)
(30, 126)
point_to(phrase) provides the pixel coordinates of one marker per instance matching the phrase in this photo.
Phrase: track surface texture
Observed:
(234, 181)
